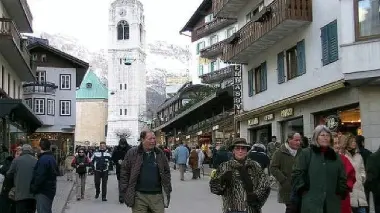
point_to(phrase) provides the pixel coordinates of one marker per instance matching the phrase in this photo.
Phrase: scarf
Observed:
(293, 152)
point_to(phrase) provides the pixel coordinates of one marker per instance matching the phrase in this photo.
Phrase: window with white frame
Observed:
(230, 31)
(65, 107)
(41, 76)
(50, 107)
(213, 39)
(39, 106)
(65, 82)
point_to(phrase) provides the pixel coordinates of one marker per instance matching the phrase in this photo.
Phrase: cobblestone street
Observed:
(189, 196)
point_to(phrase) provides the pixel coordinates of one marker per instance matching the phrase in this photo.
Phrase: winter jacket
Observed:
(119, 154)
(260, 157)
(281, 168)
(45, 176)
(233, 192)
(220, 156)
(319, 177)
(80, 162)
(193, 159)
(201, 157)
(351, 179)
(101, 160)
(357, 195)
(8, 182)
(181, 154)
(130, 171)
(21, 171)
(373, 173)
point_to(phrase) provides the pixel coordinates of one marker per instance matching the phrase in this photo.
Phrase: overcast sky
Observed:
(87, 20)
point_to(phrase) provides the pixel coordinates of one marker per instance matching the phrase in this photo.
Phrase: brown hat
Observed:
(239, 142)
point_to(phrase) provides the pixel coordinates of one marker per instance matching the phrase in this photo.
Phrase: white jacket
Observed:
(357, 196)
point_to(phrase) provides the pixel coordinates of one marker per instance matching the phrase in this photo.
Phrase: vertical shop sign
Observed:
(237, 88)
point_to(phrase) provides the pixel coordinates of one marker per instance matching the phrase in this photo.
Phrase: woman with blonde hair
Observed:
(357, 196)
(318, 176)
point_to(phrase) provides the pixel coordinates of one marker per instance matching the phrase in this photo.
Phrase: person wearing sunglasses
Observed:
(80, 163)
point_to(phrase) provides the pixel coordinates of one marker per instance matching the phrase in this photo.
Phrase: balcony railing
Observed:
(39, 87)
(227, 115)
(282, 17)
(218, 75)
(228, 8)
(8, 30)
(212, 27)
(211, 52)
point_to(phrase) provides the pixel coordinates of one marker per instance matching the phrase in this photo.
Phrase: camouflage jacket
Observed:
(234, 195)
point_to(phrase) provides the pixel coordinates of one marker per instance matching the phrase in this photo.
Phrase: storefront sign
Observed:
(332, 122)
(199, 133)
(269, 117)
(252, 122)
(237, 88)
(287, 112)
(215, 127)
(188, 137)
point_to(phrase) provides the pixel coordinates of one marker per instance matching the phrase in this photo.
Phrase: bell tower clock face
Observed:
(122, 12)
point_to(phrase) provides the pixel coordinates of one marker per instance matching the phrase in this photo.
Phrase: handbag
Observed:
(12, 194)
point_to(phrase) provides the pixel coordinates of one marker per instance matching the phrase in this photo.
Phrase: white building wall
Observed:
(222, 34)
(132, 97)
(316, 74)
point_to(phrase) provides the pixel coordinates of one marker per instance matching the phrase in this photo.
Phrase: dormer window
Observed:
(88, 85)
(43, 58)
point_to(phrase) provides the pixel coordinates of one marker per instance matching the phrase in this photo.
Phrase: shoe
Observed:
(104, 199)
(97, 196)
(78, 199)
(121, 200)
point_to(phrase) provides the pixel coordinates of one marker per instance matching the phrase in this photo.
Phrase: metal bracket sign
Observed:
(237, 90)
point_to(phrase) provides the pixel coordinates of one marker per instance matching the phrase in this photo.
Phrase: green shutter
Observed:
(301, 63)
(212, 66)
(250, 82)
(280, 68)
(198, 48)
(333, 41)
(325, 45)
(200, 70)
(263, 76)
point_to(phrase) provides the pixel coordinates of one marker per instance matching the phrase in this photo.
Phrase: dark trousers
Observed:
(26, 206)
(101, 176)
(376, 200)
(196, 173)
(118, 185)
(44, 203)
(7, 205)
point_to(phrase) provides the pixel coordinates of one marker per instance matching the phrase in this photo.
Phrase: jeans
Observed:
(359, 210)
(44, 204)
(80, 183)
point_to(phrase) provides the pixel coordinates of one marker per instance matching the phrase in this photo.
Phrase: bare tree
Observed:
(123, 133)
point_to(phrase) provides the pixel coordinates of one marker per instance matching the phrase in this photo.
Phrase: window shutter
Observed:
(280, 68)
(212, 66)
(333, 41)
(263, 76)
(198, 48)
(200, 70)
(301, 62)
(250, 82)
(325, 45)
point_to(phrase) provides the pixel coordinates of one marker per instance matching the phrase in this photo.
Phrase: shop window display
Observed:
(341, 120)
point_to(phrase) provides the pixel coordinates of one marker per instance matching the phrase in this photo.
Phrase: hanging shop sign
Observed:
(287, 112)
(188, 137)
(252, 122)
(237, 88)
(332, 122)
(199, 133)
(215, 127)
(269, 117)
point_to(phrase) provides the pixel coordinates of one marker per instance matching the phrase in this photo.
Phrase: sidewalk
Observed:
(64, 189)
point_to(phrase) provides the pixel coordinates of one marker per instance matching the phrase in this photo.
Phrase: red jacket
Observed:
(350, 172)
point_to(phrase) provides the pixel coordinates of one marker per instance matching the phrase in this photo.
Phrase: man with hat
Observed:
(240, 181)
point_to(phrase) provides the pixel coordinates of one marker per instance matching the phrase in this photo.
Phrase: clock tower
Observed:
(126, 71)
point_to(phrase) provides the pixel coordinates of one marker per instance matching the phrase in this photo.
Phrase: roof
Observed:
(79, 64)
(97, 90)
(198, 14)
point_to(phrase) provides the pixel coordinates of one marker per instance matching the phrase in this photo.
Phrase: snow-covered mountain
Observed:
(163, 60)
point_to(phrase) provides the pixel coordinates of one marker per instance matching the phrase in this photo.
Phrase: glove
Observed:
(227, 178)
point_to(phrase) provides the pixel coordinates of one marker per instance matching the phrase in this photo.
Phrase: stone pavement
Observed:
(187, 197)
(64, 188)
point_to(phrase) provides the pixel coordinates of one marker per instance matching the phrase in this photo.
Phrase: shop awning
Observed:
(17, 111)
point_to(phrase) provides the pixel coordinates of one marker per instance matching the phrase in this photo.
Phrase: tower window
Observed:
(125, 111)
(121, 111)
(125, 86)
(122, 30)
(141, 33)
(88, 85)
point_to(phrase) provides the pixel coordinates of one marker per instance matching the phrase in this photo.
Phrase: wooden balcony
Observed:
(211, 27)
(282, 18)
(13, 49)
(213, 51)
(19, 12)
(218, 75)
(228, 8)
